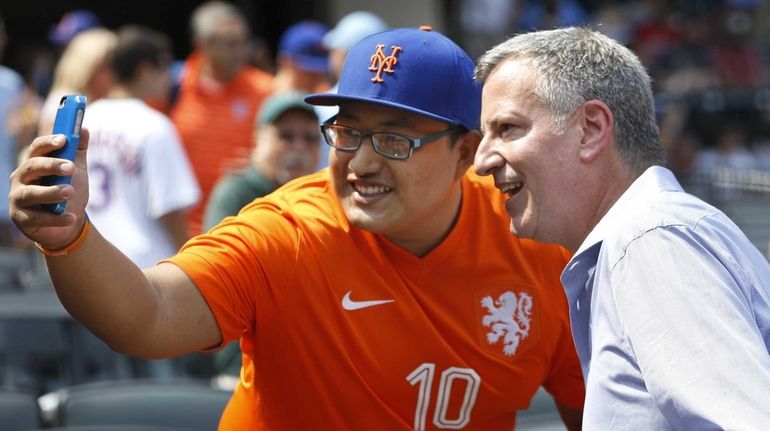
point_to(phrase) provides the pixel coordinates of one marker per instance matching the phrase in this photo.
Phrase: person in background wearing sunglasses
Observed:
(382, 293)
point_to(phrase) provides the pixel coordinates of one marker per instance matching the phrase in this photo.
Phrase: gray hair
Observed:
(207, 17)
(575, 65)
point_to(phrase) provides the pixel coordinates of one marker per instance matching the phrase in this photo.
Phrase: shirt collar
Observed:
(654, 180)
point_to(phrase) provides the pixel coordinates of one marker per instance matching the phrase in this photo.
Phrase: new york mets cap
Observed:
(415, 70)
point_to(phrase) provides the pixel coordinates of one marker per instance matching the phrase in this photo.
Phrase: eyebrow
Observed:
(506, 116)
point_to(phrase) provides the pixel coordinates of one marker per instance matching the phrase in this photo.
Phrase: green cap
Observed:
(277, 104)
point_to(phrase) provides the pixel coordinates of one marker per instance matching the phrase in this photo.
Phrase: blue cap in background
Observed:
(72, 23)
(415, 70)
(303, 43)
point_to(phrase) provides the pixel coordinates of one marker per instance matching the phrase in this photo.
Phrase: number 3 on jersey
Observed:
(423, 377)
(99, 177)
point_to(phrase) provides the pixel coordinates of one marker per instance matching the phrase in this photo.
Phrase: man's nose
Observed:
(487, 158)
(365, 159)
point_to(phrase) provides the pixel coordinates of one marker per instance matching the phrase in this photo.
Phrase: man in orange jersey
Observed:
(219, 96)
(384, 293)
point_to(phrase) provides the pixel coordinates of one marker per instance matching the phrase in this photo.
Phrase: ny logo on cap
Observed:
(381, 63)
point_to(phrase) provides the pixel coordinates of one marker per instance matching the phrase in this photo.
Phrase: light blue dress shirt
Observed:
(670, 310)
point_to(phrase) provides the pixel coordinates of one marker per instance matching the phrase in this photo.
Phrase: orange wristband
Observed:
(70, 248)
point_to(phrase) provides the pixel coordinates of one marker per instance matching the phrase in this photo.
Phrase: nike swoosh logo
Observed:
(350, 305)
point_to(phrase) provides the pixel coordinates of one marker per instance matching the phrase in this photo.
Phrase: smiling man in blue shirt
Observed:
(669, 301)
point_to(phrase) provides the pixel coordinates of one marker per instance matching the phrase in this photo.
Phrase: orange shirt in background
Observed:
(215, 122)
(461, 338)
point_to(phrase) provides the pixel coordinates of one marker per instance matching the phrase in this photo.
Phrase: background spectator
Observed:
(302, 63)
(84, 68)
(141, 181)
(285, 141)
(218, 98)
(11, 86)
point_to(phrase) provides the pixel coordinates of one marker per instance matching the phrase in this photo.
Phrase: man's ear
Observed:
(467, 144)
(598, 130)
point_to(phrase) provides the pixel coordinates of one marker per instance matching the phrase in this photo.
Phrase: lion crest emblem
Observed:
(508, 319)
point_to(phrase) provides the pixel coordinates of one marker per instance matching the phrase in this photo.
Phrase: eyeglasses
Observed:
(390, 145)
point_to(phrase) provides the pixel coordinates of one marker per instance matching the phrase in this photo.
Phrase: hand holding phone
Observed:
(69, 118)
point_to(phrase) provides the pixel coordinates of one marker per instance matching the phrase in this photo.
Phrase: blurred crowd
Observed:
(211, 101)
(178, 144)
(175, 146)
(708, 58)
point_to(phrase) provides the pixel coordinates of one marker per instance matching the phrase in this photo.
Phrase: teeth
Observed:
(371, 190)
(505, 188)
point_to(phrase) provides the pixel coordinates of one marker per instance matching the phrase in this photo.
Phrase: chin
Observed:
(362, 219)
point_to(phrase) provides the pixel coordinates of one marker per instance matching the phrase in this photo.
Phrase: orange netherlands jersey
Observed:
(342, 330)
(216, 125)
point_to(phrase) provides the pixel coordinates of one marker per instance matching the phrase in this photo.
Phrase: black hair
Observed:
(137, 44)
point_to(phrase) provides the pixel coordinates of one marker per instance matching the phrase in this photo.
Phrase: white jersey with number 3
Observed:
(138, 172)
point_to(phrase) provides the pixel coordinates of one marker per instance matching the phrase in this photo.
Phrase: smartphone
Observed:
(69, 118)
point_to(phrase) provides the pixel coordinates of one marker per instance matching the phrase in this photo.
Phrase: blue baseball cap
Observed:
(72, 23)
(415, 70)
(303, 43)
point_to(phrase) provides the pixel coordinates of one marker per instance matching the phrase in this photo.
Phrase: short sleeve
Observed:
(242, 265)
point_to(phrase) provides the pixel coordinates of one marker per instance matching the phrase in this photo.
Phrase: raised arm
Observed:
(153, 313)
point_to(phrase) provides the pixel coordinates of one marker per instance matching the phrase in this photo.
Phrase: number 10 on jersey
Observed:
(422, 376)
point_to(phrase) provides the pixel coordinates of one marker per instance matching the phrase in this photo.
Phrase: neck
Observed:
(422, 237)
(617, 179)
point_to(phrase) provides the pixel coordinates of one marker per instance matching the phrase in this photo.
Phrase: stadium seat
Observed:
(188, 405)
(19, 410)
(12, 263)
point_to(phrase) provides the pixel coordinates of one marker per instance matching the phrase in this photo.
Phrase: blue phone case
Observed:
(69, 118)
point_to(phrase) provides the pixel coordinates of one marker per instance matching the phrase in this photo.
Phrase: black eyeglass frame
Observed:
(414, 142)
